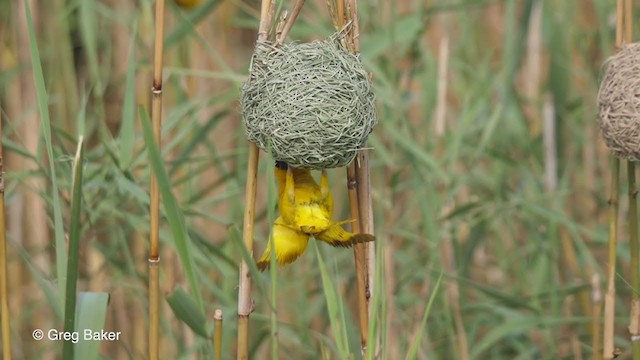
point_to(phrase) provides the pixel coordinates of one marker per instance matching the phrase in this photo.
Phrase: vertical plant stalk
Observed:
(4, 289)
(532, 69)
(359, 253)
(610, 296)
(341, 12)
(289, 24)
(137, 317)
(154, 207)
(634, 326)
(359, 188)
(596, 300)
(74, 245)
(628, 19)
(217, 334)
(245, 305)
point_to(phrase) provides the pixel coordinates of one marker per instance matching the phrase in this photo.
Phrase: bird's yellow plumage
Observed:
(288, 243)
(306, 209)
(303, 203)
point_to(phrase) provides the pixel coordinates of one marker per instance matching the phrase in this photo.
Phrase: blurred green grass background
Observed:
(487, 169)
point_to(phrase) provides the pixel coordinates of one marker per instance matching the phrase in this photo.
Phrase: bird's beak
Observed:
(282, 165)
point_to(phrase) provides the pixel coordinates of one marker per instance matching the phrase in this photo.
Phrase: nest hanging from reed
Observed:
(619, 103)
(311, 103)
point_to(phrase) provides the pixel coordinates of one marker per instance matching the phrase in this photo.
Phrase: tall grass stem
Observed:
(596, 322)
(217, 334)
(634, 326)
(245, 306)
(609, 298)
(154, 206)
(74, 247)
(4, 288)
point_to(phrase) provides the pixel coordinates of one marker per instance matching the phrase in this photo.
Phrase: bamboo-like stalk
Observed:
(340, 11)
(596, 303)
(634, 318)
(359, 254)
(154, 207)
(292, 19)
(628, 19)
(4, 289)
(609, 297)
(244, 291)
(245, 306)
(217, 334)
(138, 318)
(532, 68)
(634, 326)
(359, 188)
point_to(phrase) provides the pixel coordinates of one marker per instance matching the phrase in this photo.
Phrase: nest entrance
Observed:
(619, 103)
(312, 104)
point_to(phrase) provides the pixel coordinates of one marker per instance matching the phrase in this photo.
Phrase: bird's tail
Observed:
(262, 264)
(335, 235)
(265, 260)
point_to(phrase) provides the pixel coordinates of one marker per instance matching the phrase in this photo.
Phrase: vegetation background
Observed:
(487, 169)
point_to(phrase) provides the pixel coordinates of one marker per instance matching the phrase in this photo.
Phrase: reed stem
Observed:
(217, 334)
(245, 306)
(4, 289)
(359, 253)
(596, 303)
(359, 188)
(609, 298)
(154, 207)
(292, 19)
(634, 326)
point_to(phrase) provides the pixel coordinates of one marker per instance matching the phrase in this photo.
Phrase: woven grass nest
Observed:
(311, 104)
(619, 103)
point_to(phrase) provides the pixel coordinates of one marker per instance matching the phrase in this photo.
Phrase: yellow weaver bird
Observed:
(306, 209)
(303, 204)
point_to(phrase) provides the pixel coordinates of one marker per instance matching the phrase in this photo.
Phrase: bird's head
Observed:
(281, 173)
(282, 165)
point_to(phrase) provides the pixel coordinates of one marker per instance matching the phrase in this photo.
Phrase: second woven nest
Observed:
(312, 104)
(619, 103)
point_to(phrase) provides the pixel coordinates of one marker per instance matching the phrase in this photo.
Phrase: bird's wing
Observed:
(289, 244)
